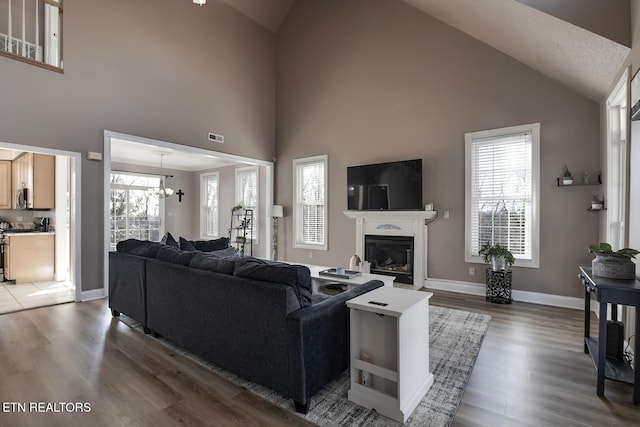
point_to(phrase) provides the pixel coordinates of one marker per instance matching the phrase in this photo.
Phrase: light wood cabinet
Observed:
(29, 257)
(36, 173)
(6, 195)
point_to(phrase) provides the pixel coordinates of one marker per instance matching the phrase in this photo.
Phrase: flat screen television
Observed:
(385, 186)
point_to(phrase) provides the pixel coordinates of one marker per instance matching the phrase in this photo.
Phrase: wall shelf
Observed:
(577, 184)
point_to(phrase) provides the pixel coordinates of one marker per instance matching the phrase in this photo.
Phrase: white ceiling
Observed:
(135, 153)
(582, 60)
(268, 13)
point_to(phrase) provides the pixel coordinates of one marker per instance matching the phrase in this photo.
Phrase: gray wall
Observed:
(387, 82)
(170, 71)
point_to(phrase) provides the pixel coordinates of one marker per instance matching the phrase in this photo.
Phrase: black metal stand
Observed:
(499, 286)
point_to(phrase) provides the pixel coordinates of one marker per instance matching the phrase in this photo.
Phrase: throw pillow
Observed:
(175, 256)
(186, 245)
(169, 240)
(211, 245)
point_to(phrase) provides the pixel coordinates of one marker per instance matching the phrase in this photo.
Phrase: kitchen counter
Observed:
(29, 233)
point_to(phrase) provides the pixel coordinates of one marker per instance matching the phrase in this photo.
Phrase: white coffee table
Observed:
(318, 280)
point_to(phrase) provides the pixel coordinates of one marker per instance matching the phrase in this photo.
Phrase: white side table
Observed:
(390, 327)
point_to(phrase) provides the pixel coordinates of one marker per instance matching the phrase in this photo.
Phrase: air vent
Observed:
(215, 137)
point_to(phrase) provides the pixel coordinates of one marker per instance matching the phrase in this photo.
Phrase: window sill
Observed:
(31, 62)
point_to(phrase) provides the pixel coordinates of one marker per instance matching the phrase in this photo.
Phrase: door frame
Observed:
(108, 135)
(75, 241)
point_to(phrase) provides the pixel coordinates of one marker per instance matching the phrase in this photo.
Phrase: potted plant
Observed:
(567, 178)
(499, 256)
(596, 203)
(614, 265)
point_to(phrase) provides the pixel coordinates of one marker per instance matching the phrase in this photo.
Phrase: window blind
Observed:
(501, 210)
(310, 196)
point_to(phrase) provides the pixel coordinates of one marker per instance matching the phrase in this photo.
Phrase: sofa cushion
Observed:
(169, 240)
(175, 256)
(186, 245)
(211, 245)
(296, 276)
(204, 261)
(145, 248)
(224, 253)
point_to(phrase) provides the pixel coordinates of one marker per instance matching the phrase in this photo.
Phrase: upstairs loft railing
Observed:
(31, 32)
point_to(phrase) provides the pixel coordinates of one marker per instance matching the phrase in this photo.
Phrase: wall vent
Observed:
(216, 138)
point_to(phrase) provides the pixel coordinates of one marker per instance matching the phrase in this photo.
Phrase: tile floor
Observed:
(30, 295)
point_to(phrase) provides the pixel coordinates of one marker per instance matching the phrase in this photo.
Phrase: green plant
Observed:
(606, 249)
(489, 251)
(566, 172)
(236, 208)
(596, 199)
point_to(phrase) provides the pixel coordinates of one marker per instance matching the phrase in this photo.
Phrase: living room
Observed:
(360, 81)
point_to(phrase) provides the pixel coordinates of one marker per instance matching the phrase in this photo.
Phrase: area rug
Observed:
(455, 340)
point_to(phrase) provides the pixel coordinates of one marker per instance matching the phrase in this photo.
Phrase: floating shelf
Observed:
(577, 184)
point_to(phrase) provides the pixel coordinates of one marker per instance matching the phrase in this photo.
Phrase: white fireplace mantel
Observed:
(396, 223)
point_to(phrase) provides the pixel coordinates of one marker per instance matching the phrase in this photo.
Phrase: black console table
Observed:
(610, 291)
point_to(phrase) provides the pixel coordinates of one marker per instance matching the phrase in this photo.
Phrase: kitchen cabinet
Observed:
(6, 196)
(29, 257)
(36, 173)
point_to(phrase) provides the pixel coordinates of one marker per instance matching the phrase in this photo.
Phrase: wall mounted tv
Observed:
(385, 186)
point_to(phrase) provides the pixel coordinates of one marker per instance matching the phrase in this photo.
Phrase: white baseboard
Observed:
(92, 294)
(473, 288)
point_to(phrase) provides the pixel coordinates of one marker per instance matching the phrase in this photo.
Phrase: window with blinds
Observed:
(502, 187)
(247, 196)
(310, 207)
(209, 213)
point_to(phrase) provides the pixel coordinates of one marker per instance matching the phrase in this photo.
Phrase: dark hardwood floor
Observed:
(531, 371)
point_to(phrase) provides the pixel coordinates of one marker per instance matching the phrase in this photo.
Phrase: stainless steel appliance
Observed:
(21, 198)
(2, 279)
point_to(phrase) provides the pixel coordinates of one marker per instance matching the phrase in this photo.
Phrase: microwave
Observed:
(21, 198)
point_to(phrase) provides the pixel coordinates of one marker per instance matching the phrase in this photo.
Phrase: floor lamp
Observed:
(276, 212)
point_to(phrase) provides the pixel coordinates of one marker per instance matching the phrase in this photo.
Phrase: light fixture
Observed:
(162, 192)
(200, 2)
(276, 212)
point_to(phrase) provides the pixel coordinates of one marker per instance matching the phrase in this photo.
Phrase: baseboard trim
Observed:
(472, 288)
(92, 294)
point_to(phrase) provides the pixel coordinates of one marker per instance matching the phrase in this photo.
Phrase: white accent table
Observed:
(395, 336)
(318, 280)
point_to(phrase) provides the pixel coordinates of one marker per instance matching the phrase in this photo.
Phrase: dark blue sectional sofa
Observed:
(257, 319)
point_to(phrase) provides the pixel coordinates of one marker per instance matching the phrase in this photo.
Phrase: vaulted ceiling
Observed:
(581, 54)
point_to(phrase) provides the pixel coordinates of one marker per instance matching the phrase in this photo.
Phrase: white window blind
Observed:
(310, 207)
(247, 196)
(209, 213)
(502, 189)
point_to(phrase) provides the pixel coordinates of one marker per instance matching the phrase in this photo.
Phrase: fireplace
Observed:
(390, 255)
(410, 226)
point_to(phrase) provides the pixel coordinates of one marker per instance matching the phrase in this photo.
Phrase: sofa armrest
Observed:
(318, 342)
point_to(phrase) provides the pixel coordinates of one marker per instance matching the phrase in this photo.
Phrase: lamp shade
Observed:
(276, 211)
(200, 2)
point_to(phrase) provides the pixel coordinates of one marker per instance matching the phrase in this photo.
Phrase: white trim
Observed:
(92, 294)
(108, 135)
(324, 158)
(534, 128)
(473, 288)
(75, 220)
(255, 237)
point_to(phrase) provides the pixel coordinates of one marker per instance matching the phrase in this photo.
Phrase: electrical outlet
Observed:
(446, 214)
(472, 271)
(310, 255)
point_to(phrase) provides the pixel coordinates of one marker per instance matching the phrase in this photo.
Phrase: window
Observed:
(502, 187)
(209, 214)
(310, 206)
(247, 196)
(135, 212)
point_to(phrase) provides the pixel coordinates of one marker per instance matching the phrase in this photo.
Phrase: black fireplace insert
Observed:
(390, 255)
